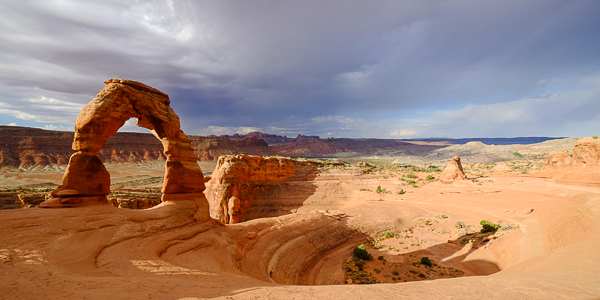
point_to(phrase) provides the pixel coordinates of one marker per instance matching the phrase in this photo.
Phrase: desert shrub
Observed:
(380, 257)
(421, 275)
(429, 178)
(459, 225)
(425, 261)
(488, 226)
(517, 154)
(388, 235)
(402, 179)
(595, 137)
(360, 251)
(411, 175)
(401, 192)
(412, 182)
(376, 244)
(377, 270)
(379, 190)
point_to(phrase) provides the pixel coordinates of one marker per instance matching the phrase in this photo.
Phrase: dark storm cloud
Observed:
(339, 68)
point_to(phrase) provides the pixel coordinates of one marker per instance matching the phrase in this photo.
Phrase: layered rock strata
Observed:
(244, 187)
(453, 171)
(86, 180)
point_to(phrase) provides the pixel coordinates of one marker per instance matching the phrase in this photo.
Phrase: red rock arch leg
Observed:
(86, 180)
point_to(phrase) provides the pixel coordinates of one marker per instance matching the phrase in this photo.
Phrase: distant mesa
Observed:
(87, 182)
(272, 139)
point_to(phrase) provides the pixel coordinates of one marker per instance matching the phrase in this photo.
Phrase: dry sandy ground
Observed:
(104, 252)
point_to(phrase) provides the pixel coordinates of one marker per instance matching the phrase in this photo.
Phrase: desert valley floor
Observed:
(547, 247)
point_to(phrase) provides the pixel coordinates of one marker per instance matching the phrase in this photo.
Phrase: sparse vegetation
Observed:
(360, 251)
(595, 137)
(401, 192)
(460, 224)
(425, 261)
(429, 178)
(488, 226)
(379, 190)
(519, 155)
(411, 175)
(388, 235)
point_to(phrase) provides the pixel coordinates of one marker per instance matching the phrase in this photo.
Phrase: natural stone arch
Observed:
(86, 180)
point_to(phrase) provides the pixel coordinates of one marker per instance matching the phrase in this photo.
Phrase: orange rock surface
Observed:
(87, 180)
(238, 178)
(453, 171)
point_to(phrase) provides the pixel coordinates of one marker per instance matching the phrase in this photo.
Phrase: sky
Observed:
(337, 68)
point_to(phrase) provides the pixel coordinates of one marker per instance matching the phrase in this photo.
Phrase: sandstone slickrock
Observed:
(237, 180)
(453, 171)
(119, 101)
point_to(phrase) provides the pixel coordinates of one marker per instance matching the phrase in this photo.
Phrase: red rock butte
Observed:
(87, 182)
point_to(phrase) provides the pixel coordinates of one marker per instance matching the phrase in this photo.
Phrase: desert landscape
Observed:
(267, 149)
(513, 221)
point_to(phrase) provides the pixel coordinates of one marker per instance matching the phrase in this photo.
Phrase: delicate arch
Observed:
(86, 180)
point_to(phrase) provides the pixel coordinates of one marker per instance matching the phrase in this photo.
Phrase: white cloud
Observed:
(12, 124)
(220, 130)
(403, 132)
(57, 128)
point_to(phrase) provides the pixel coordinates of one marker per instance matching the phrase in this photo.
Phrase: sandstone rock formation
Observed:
(586, 154)
(558, 159)
(239, 185)
(86, 181)
(453, 171)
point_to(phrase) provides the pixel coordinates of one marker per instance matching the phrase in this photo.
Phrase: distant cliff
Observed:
(27, 147)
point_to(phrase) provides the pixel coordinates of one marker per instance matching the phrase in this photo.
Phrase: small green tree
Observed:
(360, 251)
(425, 261)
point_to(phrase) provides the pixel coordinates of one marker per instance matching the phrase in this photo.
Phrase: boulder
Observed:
(453, 171)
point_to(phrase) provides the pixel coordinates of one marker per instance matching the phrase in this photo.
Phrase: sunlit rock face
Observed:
(86, 181)
(453, 171)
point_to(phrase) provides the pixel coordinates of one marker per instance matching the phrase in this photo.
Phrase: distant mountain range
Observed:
(27, 147)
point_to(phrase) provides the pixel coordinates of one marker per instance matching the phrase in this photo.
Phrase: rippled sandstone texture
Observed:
(86, 180)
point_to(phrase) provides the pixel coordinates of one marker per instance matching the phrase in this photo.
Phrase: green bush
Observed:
(425, 261)
(411, 182)
(488, 226)
(459, 225)
(519, 155)
(595, 137)
(429, 178)
(360, 251)
(388, 235)
(401, 192)
(411, 175)
(379, 190)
